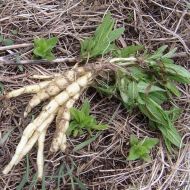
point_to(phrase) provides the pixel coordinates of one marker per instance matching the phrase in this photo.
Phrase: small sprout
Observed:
(43, 48)
(141, 149)
(82, 120)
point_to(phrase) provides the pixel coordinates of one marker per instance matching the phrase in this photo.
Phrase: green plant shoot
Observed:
(43, 48)
(103, 40)
(82, 121)
(141, 149)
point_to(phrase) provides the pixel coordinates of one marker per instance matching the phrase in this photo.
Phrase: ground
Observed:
(102, 164)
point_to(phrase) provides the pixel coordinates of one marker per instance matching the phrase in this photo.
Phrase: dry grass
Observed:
(101, 165)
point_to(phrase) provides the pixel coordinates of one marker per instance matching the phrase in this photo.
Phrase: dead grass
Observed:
(102, 164)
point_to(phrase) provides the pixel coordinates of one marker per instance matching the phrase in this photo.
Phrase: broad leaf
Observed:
(178, 73)
(146, 88)
(132, 91)
(172, 88)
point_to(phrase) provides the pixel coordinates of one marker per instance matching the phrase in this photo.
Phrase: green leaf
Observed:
(132, 91)
(158, 96)
(106, 89)
(146, 88)
(149, 142)
(128, 51)
(170, 54)
(159, 53)
(101, 42)
(1, 88)
(43, 48)
(76, 114)
(81, 120)
(100, 127)
(86, 107)
(141, 149)
(133, 140)
(172, 88)
(51, 42)
(8, 42)
(154, 112)
(174, 113)
(138, 73)
(146, 158)
(171, 134)
(1, 38)
(178, 73)
(85, 143)
(49, 56)
(14, 32)
(133, 154)
(115, 34)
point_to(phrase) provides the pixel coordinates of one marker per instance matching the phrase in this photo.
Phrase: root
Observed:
(63, 90)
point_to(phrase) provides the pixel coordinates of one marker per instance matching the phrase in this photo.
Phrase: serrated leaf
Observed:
(82, 121)
(141, 149)
(146, 158)
(52, 42)
(149, 142)
(133, 140)
(43, 48)
(133, 154)
(86, 107)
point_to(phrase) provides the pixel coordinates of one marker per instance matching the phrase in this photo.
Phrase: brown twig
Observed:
(3, 48)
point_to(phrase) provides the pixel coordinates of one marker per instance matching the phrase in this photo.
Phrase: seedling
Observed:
(81, 120)
(43, 48)
(141, 149)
